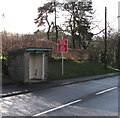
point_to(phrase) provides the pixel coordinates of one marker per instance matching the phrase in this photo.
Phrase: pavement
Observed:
(26, 88)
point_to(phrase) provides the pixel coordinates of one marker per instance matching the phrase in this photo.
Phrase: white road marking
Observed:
(59, 107)
(70, 103)
(104, 91)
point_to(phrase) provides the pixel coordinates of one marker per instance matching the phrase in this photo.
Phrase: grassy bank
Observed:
(76, 69)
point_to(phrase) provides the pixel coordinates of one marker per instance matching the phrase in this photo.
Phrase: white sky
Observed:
(20, 14)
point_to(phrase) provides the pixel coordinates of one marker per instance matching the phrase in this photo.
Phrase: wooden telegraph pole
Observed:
(105, 41)
(118, 47)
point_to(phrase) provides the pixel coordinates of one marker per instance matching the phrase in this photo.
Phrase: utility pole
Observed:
(118, 46)
(105, 41)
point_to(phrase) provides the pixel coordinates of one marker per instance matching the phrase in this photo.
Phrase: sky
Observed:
(20, 14)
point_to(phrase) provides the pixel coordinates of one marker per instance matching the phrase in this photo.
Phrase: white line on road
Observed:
(59, 107)
(107, 90)
(70, 103)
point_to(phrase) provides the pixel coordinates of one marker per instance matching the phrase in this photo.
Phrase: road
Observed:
(91, 98)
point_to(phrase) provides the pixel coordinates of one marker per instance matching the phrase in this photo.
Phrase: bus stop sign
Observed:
(62, 45)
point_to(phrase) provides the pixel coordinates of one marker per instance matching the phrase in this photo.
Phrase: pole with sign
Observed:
(62, 47)
(62, 53)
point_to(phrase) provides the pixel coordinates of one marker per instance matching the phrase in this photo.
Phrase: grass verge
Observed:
(74, 68)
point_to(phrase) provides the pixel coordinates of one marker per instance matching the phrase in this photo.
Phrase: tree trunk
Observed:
(73, 40)
(79, 44)
(55, 22)
(73, 33)
(48, 34)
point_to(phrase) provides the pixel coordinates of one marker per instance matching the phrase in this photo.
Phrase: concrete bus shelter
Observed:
(29, 65)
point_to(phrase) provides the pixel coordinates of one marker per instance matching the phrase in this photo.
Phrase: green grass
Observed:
(76, 69)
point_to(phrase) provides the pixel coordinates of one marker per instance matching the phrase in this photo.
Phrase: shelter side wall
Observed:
(20, 67)
(16, 67)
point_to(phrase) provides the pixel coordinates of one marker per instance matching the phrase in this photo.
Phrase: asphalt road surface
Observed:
(91, 98)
